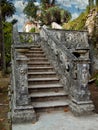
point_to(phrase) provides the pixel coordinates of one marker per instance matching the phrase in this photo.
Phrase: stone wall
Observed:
(71, 39)
(29, 37)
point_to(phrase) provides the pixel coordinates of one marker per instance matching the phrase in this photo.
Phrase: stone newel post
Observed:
(22, 87)
(22, 110)
(80, 98)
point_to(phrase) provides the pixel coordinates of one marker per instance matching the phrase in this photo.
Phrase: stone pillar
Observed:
(22, 111)
(80, 97)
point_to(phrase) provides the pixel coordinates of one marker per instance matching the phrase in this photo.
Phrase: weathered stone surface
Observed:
(23, 115)
(81, 108)
(69, 53)
(22, 111)
(26, 38)
(71, 39)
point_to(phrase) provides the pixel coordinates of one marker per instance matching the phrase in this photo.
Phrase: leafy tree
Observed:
(31, 10)
(7, 28)
(47, 3)
(14, 21)
(65, 16)
(8, 9)
(2, 50)
(55, 14)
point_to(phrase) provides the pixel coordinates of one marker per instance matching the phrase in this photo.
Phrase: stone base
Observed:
(81, 109)
(25, 115)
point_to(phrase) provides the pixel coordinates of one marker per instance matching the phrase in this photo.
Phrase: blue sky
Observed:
(74, 6)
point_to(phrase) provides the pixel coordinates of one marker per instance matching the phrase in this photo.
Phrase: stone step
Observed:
(39, 59)
(35, 46)
(41, 81)
(45, 86)
(35, 55)
(45, 91)
(38, 64)
(49, 106)
(40, 69)
(42, 74)
(31, 90)
(35, 52)
(49, 98)
(47, 94)
(36, 49)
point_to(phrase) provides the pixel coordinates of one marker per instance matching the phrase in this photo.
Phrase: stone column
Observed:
(22, 110)
(80, 95)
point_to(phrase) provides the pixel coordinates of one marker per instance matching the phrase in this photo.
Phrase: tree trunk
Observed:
(2, 49)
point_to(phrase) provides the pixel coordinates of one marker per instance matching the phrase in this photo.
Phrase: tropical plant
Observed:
(30, 10)
(47, 3)
(7, 28)
(55, 14)
(8, 9)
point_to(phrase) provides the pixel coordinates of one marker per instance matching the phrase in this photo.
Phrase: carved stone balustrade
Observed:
(69, 53)
(29, 38)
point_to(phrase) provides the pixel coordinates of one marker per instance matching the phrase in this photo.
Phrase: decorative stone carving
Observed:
(80, 93)
(74, 69)
(64, 60)
(26, 38)
(22, 110)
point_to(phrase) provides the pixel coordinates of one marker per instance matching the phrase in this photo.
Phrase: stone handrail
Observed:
(75, 71)
(22, 38)
(63, 59)
(22, 110)
(58, 44)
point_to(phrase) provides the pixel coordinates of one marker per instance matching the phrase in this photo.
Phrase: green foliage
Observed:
(96, 81)
(32, 30)
(30, 10)
(47, 3)
(8, 9)
(7, 40)
(78, 23)
(14, 21)
(55, 14)
(28, 40)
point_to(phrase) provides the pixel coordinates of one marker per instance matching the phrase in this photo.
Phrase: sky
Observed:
(74, 6)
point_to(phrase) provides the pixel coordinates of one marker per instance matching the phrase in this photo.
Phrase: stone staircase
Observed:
(45, 90)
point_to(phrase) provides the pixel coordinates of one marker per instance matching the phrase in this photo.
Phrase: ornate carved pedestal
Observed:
(80, 97)
(22, 111)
